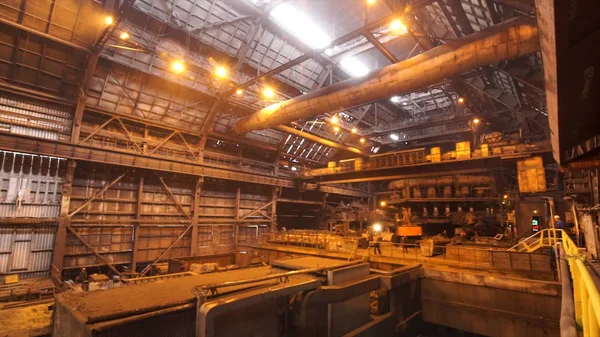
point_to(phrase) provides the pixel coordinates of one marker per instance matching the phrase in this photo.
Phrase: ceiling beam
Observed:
(382, 49)
(317, 139)
(44, 35)
(316, 54)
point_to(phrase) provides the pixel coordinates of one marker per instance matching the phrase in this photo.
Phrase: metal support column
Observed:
(276, 191)
(64, 220)
(137, 227)
(87, 77)
(236, 215)
(195, 215)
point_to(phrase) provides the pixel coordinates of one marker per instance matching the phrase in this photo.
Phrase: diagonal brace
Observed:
(95, 195)
(94, 251)
(257, 210)
(172, 197)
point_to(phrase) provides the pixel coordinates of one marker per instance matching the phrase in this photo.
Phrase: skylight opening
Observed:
(354, 67)
(298, 24)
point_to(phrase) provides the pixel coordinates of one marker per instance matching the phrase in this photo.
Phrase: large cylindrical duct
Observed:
(440, 181)
(495, 44)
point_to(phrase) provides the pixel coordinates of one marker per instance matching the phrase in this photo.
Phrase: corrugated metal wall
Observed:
(35, 118)
(30, 196)
(30, 185)
(109, 222)
(26, 250)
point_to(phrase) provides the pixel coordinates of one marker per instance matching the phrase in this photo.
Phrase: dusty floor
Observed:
(26, 321)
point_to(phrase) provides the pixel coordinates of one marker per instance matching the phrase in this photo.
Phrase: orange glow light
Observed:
(269, 93)
(221, 72)
(178, 66)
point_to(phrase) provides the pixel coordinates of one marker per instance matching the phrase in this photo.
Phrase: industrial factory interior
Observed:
(291, 168)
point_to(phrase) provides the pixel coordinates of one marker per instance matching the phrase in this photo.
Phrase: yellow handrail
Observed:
(544, 238)
(586, 294)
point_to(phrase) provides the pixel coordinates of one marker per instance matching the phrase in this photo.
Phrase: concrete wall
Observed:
(490, 305)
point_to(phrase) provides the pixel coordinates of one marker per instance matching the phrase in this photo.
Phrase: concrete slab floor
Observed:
(27, 321)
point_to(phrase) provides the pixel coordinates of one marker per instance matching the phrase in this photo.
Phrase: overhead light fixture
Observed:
(398, 26)
(239, 92)
(395, 99)
(300, 25)
(335, 119)
(269, 93)
(371, 2)
(221, 72)
(506, 196)
(394, 136)
(336, 128)
(476, 121)
(294, 168)
(405, 103)
(382, 203)
(363, 140)
(354, 130)
(178, 66)
(377, 227)
(461, 100)
(108, 20)
(124, 36)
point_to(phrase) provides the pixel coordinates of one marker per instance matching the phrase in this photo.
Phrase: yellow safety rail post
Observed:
(586, 295)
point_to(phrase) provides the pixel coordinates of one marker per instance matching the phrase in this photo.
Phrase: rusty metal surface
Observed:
(31, 145)
(570, 39)
(308, 262)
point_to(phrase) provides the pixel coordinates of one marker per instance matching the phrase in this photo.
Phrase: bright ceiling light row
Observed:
(354, 67)
(300, 25)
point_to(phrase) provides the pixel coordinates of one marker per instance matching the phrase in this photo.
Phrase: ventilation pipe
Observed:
(495, 44)
(441, 181)
(316, 139)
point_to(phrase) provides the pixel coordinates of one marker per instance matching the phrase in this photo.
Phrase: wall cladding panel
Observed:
(30, 185)
(26, 250)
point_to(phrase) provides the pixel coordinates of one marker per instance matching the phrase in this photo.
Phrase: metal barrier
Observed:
(456, 255)
(544, 238)
(587, 297)
(586, 294)
(313, 239)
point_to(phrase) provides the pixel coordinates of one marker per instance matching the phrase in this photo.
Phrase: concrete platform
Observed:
(157, 294)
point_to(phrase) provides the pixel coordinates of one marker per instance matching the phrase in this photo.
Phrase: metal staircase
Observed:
(544, 238)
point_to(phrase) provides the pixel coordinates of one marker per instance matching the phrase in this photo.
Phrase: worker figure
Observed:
(376, 248)
(558, 223)
(404, 247)
(82, 278)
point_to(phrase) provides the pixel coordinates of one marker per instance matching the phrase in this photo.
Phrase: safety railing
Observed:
(544, 238)
(320, 240)
(586, 295)
(462, 256)
(423, 252)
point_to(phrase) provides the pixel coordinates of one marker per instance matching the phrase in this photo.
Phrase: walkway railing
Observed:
(587, 297)
(544, 238)
(585, 291)
(424, 252)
